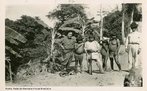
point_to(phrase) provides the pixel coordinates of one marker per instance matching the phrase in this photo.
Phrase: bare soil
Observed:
(111, 78)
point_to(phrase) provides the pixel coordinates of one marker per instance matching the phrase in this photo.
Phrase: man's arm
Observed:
(126, 44)
(118, 44)
(140, 43)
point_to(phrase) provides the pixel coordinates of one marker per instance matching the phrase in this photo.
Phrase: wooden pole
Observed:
(52, 42)
(122, 28)
(131, 20)
(10, 71)
(52, 50)
(101, 28)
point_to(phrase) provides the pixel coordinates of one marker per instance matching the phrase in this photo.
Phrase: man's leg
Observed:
(99, 64)
(135, 55)
(105, 61)
(90, 66)
(137, 64)
(76, 64)
(80, 62)
(130, 57)
(117, 61)
(68, 58)
(111, 56)
(111, 63)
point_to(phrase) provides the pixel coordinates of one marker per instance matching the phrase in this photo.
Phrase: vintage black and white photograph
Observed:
(73, 45)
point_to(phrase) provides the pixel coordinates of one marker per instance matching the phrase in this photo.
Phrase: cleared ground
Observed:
(112, 78)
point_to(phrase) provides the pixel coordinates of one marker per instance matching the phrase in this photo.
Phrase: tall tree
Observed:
(122, 26)
(67, 11)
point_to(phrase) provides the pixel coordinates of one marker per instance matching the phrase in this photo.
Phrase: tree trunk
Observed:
(131, 20)
(122, 28)
(52, 43)
(101, 30)
(52, 50)
(10, 72)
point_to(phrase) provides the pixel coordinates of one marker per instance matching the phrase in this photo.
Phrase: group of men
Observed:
(76, 47)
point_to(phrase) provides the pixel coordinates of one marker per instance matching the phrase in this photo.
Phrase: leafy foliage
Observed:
(68, 16)
(66, 11)
(26, 39)
(113, 21)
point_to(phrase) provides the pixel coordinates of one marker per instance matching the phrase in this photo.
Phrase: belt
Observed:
(134, 43)
(69, 49)
(94, 52)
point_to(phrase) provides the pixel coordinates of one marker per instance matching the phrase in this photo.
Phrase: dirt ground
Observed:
(112, 78)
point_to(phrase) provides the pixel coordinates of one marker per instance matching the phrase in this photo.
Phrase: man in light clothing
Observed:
(92, 49)
(133, 46)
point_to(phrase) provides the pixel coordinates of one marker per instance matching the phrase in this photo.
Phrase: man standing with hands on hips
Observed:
(68, 43)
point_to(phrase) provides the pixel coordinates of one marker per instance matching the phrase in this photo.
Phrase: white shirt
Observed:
(94, 46)
(133, 37)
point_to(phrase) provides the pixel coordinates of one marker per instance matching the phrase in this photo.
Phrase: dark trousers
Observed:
(68, 57)
(114, 57)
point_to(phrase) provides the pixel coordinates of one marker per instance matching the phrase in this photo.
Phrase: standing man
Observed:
(68, 42)
(78, 53)
(92, 49)
(133, 46)
(114, 45)
(105, 53)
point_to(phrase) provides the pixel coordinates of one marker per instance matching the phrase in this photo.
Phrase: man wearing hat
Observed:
(133, 46)
(68, 42)
(92, 49)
